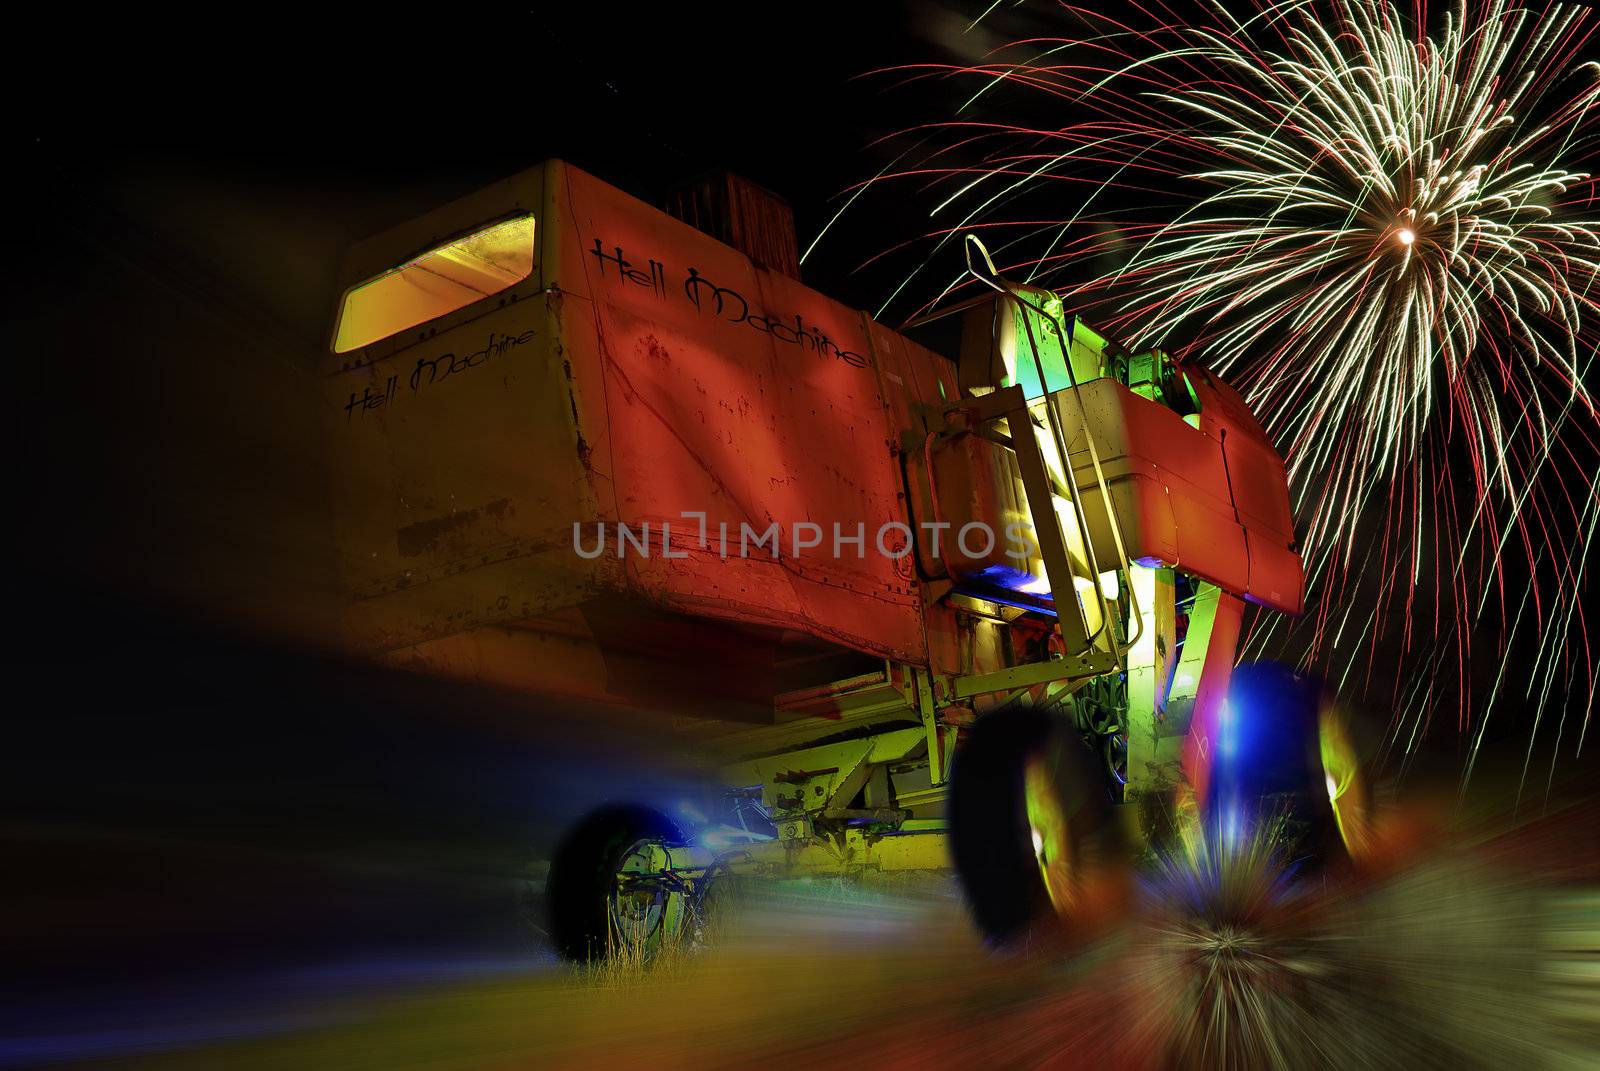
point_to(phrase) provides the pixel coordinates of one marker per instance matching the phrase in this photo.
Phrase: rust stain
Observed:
(423, 537)
(585, 451)
(656, 350)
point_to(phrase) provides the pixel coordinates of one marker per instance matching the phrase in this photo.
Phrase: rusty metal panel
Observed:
(1216, 494)
(645, 371)
(1174, 489)
(1168, 483)
(453, 451)
(711, 385)
(1259, 486)
(445, 520)
(913, 382)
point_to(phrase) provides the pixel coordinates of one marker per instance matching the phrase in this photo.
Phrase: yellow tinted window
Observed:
(441, 280)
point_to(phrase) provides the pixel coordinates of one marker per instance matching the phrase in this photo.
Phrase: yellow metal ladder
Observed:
(1086, 652)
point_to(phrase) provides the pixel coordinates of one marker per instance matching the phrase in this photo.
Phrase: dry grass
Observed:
(628, 964)
(727, 917)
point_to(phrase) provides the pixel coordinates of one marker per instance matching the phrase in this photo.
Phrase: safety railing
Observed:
(1041, 493)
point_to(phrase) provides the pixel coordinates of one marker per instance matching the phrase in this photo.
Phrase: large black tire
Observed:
(990, 832)
(1268, 766)
(584, 870)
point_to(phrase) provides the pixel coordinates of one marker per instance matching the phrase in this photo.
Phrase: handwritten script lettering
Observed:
(430, 371)
(723, 302)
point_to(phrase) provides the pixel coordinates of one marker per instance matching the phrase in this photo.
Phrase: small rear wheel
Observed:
(611, 891)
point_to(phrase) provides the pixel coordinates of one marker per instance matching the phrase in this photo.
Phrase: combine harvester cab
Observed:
(584, 449)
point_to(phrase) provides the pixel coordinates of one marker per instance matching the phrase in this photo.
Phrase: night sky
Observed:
(268, 145)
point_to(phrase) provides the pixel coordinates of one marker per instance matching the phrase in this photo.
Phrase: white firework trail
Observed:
(1384, 232)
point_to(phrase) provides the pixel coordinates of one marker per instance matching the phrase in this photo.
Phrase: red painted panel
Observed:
(709, 385)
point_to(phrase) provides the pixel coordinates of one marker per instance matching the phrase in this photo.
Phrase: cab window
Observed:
(442, 280)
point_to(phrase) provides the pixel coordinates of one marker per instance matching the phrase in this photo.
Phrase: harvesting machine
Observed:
(919, 611)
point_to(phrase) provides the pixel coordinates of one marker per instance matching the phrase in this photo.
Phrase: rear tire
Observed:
(583, 875)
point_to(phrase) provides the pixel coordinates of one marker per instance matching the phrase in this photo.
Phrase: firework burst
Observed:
(1381, 226)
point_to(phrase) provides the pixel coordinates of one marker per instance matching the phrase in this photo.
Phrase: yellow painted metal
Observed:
(841, 706)
(797, 787)
(941, 738)
(1025, 676)
(907, 851)
(1196, 645)
(854, 854)
(1038, 314)
(1155, 742)
(644, 914)
(1209, 673)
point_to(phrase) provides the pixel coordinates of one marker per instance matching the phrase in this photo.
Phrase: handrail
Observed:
(1052, 418)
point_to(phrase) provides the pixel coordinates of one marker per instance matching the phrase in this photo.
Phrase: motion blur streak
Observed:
(1462, 959)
